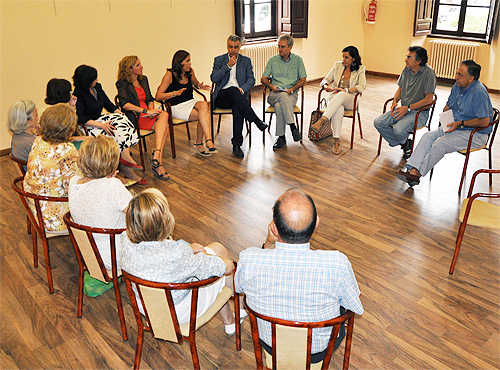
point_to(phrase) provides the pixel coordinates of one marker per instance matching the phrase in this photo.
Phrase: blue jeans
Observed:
(396, 132)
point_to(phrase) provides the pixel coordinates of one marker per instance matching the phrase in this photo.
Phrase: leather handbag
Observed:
(325, 130)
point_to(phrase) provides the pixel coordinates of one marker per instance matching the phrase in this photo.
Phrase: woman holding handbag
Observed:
(346, 78)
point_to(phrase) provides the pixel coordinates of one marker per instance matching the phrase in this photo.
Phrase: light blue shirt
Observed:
(294, 282)
(285, 73)
(469, 103)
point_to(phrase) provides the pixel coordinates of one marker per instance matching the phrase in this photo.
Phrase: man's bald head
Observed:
(294, 215)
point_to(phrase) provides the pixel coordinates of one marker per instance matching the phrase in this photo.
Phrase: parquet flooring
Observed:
(399, 241)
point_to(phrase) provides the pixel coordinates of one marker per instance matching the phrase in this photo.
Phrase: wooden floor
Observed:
(399, 241)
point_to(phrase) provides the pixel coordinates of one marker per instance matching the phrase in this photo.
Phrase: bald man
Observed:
(289, 280)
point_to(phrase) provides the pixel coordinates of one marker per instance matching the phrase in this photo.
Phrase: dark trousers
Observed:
(234, 99)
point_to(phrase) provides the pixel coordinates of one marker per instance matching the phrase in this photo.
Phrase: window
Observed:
(463, 19)
(270, 18)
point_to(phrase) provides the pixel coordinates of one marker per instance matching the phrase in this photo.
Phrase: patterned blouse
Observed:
(50, 166)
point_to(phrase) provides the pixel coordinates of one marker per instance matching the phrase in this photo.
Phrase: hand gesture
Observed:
(205, 87)
(108, 128)
(273, 87)
(232, 61)
(453, 126)
(329, 89)
(179, 92)
(197, 248)
(72, 101)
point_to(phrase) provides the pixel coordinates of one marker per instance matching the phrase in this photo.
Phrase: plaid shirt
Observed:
(294, 282)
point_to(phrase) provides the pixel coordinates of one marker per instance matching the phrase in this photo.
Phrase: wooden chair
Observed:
(431, 108)
(270, 110)
(476, 212)
(20, 165)
(221, 111)
(488, 146)
(141, 133)
(349, 114)
(89, 259)
(160, 318)
(292, 341)
(165, 105)
(37, 224)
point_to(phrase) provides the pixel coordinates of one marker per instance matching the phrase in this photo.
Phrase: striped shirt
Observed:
(294, 282)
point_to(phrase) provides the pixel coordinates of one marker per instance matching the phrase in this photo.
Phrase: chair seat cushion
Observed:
(146, 132)
(472, 150)
(53, 234)
(177, 121)
(222, 111)
(482, 214)
(221, 300)
(270, 109)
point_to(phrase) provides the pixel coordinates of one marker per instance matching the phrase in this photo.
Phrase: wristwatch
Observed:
(409, 109)
(144, 111)
(462, 124)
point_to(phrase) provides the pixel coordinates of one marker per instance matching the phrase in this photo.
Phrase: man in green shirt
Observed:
(288, 76)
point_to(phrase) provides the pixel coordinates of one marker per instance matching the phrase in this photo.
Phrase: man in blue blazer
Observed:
(233, 77)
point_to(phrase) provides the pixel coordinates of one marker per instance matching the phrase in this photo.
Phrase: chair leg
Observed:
(379, 144)
(194, 351)
(360, 128)
(352, 130)
(35, 247)
(172, 139)
(28, 225)
(460, 236)
(119, 304)
(187, 130)
(463, 172)
(490, 166)
(138, 347)
(47, 265)
(348, 342)
(212, 125)
(141, 153)
(144, 143)
(236, 298)
(218, 125)
(249, 126)
(79, 309)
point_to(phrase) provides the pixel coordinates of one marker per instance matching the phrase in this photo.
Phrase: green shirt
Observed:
(285, 73)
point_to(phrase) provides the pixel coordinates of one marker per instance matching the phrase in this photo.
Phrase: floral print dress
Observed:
(50, 167)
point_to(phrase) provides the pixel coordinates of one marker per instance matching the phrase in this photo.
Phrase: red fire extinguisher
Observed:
(370, 11)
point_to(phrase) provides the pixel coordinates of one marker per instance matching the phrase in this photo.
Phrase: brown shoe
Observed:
(412, 180)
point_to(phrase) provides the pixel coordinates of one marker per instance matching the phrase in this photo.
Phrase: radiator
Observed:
(259, 54)
(446, 56)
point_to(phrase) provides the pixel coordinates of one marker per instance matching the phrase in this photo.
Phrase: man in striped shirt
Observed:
(287, 279)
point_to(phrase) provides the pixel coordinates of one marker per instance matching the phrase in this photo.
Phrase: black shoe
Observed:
(238, 153)
(261, 125)
(280, 143)
(295, 133)
(407, 145)
(407, 177)
(406, 154)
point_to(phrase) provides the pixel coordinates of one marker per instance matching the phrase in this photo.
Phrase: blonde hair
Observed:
(148, 217)
(19, 114)
(58, 123)
(125, 68)
(99, 157)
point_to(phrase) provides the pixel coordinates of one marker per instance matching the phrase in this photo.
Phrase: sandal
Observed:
(155, 162)
(336, 146)
(211, 150)
(202, 152)
(161, 176)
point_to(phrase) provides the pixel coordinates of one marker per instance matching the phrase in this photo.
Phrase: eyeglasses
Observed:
(409, 58)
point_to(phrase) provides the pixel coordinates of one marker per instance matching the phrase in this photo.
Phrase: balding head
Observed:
(295, 217)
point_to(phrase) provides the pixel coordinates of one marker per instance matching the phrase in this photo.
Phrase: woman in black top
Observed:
(177, 87)
(91, 99)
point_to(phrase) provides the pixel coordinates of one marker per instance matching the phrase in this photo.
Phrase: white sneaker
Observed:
(231, 328)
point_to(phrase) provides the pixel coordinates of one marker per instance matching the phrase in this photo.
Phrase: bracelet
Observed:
(263, 245)
(347, 90)
(173, 92)
(462, 123)
(144, 111)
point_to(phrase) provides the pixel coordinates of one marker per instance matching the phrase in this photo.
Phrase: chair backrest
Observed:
(292, 340)
(156, 300)
(86, 250)
(35, 213)
(20, 165)
(494, 123)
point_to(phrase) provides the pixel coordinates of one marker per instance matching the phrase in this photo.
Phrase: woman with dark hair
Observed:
(59, 91)
(134, 96)
(177, 87)
(91, 100)
(347, 77)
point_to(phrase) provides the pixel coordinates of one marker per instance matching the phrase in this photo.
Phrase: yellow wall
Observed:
(43, 39)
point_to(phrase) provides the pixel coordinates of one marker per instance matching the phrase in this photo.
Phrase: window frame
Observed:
(239, 12)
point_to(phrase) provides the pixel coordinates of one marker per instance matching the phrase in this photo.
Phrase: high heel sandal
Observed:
(202, 152)
(336, 146)
(212, 150)
(155, 164)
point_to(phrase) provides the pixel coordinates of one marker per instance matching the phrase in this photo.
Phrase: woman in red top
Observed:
(134, 96)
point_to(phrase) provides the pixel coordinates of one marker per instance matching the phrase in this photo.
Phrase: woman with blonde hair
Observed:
(98, 198)
(177, 87)
(148, 253)
(52, 162)
(134, 96)
(23, 123)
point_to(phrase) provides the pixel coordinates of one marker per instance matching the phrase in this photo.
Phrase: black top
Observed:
(176, 85)
(127, 94)
(90, 108)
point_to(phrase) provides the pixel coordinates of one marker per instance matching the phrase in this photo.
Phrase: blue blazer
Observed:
(220, 74)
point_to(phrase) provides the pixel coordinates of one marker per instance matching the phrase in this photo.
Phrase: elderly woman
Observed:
(177, 87)
(134, 96)
(346, 78)
(91, 100)
(98, 162)
(23, 122)
(148, 253)
(52, 162)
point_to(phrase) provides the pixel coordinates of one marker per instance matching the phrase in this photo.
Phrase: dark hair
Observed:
(84, 76)
(58, 91)
(177, 59)
(289, 234)
(421, 54)
(473, 69)
(354, 53)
